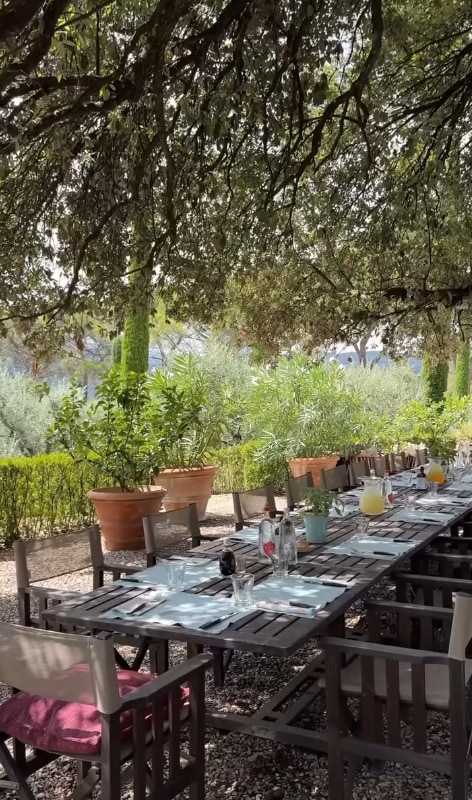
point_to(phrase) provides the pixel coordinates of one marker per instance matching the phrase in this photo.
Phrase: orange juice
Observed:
(372, 502)
(435, 474)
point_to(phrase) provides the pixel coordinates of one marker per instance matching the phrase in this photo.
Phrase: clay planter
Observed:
(300, 466)
(185, 486)
(120, 514)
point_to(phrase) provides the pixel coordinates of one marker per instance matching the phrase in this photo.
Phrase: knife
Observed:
(216, 621)
(324, 582)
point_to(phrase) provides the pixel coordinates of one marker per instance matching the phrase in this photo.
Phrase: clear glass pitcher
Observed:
(372, 500)
(435, 473)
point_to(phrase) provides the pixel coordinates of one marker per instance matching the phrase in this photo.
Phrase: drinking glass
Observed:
(243, 585)
(240, 564)
(433, 488)
(409, 501)
(361, 527)
(280, 564)
(175, 574)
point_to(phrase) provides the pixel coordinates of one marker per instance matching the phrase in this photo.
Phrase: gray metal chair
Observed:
(294, 489)
(71, 701)
(167, 528)
(250, 504)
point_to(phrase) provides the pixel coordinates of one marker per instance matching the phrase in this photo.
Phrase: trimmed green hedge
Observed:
(239, 470)
(45, 494)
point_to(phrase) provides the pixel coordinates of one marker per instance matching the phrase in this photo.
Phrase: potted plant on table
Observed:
(118, 434)
(318, 503)
(192, 422)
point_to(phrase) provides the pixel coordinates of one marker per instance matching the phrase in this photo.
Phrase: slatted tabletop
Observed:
(266, 632)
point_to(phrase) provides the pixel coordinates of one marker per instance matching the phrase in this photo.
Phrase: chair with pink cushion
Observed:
(70, 700)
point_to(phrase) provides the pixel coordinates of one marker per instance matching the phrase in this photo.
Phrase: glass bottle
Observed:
(227, 559)
(421, 482)
(288, 538)
(267, 538)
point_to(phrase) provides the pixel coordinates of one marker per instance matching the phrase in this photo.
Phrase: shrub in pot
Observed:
(318, 503)
(192, 421)
(304, 413)
(118, 434)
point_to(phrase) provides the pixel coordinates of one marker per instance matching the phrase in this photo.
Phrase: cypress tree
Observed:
(435, 378)
(135, 347)
(463, 369)
(116, 348)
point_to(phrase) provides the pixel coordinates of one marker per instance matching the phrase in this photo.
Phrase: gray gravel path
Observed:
(241, 767)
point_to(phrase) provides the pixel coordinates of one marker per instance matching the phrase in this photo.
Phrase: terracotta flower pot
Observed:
(300, 466)
(120, 514)
(185, 486)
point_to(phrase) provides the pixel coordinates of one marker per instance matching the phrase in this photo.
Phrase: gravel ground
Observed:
(241, 767)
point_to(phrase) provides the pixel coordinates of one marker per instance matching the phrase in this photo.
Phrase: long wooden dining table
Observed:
(267, 632)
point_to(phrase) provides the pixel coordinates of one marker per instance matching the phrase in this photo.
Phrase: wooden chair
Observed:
(421, 457)
(357, 470)
(71, 701)
(40, 560)
(250, 504)
(167, 528)
(294, 489)
(388, 679)
(398, 462)
(334, 479)
(380, 465)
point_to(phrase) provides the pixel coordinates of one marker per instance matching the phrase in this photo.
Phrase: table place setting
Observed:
(197, 611)
(418, 516)
(251, 535)
(178, 573)
(373, 546)
(343, 512)
(443, 500)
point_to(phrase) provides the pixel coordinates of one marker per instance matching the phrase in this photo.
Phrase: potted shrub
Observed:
(192, 421)
(304, 413)
(318, 503)
(118, 434)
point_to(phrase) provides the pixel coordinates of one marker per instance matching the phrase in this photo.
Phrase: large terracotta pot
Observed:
(185, 486)
(300, 466)
(120, 514)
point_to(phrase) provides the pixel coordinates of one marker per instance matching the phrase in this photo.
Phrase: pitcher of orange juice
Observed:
(372, 500)
(435, 473)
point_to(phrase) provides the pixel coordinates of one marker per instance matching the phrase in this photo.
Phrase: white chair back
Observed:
(61, 666)
(461, 632)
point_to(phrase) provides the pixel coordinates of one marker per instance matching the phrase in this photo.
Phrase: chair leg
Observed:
(14, 774)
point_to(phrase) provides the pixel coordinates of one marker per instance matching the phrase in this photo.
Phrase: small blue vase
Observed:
(315, 528)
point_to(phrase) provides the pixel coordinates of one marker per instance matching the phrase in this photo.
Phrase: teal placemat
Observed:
(194, 574)
(372, 547)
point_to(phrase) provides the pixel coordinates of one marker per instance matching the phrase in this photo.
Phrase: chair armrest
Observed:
(51, 594)
(166, 682)
(384, 651)
(128, 569)
(434, 582)
(410, 609)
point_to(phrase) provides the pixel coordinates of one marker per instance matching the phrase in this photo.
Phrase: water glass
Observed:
(243, 585)
(175, 574)
(361, 527)
(240, 562)
(280, 564)
(409, 501)
(433, 488)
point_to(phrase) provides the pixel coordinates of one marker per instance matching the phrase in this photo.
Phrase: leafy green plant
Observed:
(239, 468)
(320, 501)
(434, 425)
(462, 387)
(46, 494)
(301, 409)
(118, 432)
(191, 416)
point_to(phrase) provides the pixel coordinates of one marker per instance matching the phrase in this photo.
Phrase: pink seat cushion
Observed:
(66, 727)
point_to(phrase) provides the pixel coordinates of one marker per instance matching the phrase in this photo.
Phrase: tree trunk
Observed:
(463, 370)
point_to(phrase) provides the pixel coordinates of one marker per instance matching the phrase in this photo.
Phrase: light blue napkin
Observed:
(423, 515)
(371, 547)
(344, 513)
(443, 499)
(195, 573)
(187, 610)
(276, 594)
(251, 535)
(457, 486)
